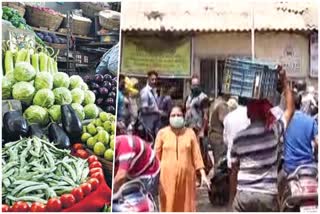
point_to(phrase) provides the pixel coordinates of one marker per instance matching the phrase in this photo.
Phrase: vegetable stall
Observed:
(58, 121)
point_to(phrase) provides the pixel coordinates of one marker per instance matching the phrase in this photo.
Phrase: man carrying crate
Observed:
(253, 179)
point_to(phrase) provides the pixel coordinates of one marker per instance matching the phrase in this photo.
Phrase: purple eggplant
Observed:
(87, 78)
(100, 101)
(115, 78)
(110, 101)
(111, 109)
(103, 91)
(114, 83)
(112, 95)
(94, 86)
(98, 78)
(107, 85)
(107, 77)
(114, 89)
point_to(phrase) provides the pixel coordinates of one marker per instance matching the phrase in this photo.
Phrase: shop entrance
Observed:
(211, 75)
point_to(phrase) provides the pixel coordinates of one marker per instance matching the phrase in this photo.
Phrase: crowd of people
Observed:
(163, 143)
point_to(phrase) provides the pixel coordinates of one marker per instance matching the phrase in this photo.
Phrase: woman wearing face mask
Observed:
(178, 150)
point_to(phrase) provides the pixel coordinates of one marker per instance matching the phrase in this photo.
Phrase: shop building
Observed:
(284, 33)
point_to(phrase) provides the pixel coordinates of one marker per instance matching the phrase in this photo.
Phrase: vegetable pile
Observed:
(99, 135)
(40, 86)
(34, 170)
(105, 90)
(12, 15)
(51, 38)
(47, 10)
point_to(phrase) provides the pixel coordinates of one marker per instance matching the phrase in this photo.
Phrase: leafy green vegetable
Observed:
(77, 95)
(44, 98)
(55, 113)
(91, 111)
(43, 80)
(23, 91)
(6, 88)
(79, 110)
(75, 81)
(84, 86)
(36, 114)
(89, 97)
(24, 72)
(62, 96)
(61, 79)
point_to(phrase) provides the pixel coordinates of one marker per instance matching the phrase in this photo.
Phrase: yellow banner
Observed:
(169, 57)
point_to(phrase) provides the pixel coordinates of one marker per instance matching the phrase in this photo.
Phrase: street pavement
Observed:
(204, 205)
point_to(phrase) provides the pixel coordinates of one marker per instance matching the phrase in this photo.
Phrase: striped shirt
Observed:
(256, 151)
(136, 157)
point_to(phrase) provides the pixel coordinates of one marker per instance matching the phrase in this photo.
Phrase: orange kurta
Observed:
(179, 157)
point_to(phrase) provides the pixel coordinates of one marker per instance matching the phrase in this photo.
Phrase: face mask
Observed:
(196, 90)
(177, 122)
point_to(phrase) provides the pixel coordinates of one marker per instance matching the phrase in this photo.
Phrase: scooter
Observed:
(219, 191)
(300, 193)
(133, 197)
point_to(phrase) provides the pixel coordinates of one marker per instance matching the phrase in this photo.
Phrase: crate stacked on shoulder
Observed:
(250, 79)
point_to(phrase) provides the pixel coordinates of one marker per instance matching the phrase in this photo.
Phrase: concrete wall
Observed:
(287, 48)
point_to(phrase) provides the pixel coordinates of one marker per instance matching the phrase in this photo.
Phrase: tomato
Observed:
(20, 206)
(95, 164)
(67, 200)
(94, 170)
(98, 175)
(77, 193)
(94, 183)
(82, 154)
(54, 205)
(37, 207)
(77, 146)
(5, 208)
(86, 188)
(92, 159)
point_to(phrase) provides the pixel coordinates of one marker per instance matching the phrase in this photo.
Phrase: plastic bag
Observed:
(109, 61)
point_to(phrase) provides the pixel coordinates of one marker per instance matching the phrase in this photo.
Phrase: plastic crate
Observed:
(244, 78)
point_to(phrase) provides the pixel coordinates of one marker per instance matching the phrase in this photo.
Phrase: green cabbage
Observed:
(6, 88)
(62, 96)
(91, 111)
(24, 72)
(10, 77)
(44, 98)
(43, 80)
(36, 114)
(75, 81)
(55, 113)
(23, 91)
(77, 95)
(61, 79)
(84, 86)
(89, 97)
(79, 110)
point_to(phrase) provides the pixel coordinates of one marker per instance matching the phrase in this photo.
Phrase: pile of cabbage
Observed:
(44, 93)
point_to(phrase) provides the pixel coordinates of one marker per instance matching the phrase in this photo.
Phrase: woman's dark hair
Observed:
(183, 110)
(150, 73)
(297, 100)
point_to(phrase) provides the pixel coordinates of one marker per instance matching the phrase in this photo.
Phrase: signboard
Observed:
(169, 57)
(314, 55)
(291, 61)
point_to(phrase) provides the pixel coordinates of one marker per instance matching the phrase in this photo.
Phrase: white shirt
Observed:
(233, 123)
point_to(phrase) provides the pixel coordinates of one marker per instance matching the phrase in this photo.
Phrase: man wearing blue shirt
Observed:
(301, 132)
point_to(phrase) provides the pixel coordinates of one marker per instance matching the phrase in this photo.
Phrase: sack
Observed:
(109, 61)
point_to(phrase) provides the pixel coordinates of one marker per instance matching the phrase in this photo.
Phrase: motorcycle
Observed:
(219, 190)
(133, 197)
(300, 193)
